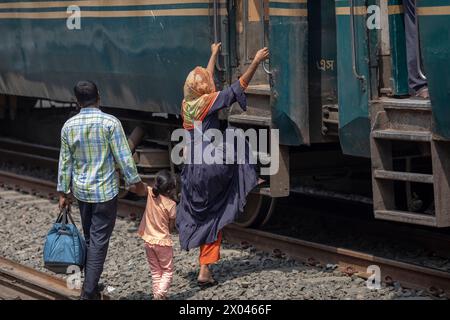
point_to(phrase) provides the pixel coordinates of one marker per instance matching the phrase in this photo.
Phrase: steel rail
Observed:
(348, 261)
(126, 208)
(40, 155)
(20, 282)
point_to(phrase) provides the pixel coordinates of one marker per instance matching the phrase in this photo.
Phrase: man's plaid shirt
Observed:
(91, 143)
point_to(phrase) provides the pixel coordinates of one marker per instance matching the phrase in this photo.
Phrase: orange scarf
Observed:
(199, 96)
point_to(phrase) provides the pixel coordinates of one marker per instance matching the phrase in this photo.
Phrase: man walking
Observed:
(92, 142)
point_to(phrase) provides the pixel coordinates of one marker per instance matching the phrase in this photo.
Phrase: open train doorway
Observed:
(252, 34)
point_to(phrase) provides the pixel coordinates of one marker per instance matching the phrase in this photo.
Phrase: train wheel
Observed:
(257, 211)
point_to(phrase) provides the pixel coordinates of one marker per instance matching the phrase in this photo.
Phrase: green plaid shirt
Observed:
(92, 142)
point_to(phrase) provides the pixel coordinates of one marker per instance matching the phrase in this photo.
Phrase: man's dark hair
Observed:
(86, 93)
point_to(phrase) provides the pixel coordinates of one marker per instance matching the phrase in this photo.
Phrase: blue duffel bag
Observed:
(64, 246)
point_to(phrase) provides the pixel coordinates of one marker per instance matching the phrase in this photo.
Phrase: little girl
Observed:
(155, 228)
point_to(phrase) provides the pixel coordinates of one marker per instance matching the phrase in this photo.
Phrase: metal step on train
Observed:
(258, 110)
(406, 154)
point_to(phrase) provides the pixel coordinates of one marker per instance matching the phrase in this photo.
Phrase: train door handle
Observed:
(418, 52)
(265, 64)
(216, 31)
(266, 68)
(355, 68)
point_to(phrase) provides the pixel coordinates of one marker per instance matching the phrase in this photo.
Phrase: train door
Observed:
(250, 34)
(278, 94)
(289, 70)
(252, 25)
(354, 76)
(434, 33)
(393, 46)
(269, 99)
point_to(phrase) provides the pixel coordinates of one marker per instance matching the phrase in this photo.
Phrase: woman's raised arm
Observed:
(215, 48)
(260, 56)
(235, 92)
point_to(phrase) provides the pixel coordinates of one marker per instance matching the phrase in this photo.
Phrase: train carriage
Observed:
(334, 86)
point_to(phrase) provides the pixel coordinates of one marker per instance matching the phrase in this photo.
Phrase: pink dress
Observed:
(154, 229)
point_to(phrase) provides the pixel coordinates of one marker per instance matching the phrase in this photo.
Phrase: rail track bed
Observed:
(435, 282)
(279, 240)
(338, 262)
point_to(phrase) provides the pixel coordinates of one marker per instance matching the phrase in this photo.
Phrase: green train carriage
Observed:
(331, 85)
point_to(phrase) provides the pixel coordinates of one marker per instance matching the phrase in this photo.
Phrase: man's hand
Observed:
(64, 201)
(139, 188)
(215, 48)
(262, 55)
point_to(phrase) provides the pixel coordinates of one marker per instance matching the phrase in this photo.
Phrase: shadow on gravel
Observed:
(235, 268)
(229, 268)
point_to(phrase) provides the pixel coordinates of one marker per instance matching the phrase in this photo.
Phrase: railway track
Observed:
(18, 282)
(39, 155)
(350, 262)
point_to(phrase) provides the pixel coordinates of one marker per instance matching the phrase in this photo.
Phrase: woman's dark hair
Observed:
(86, 93)
(165, 184)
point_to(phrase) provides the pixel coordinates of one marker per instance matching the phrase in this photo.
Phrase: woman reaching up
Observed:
(212, 195)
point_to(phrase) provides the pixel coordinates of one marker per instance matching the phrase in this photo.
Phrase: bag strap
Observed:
(59, 219)
(69, 215)
(64, 217)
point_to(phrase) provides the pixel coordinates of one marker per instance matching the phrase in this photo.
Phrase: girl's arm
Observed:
(260, 56)
(215, 47)
(172, 217)
(171, 225)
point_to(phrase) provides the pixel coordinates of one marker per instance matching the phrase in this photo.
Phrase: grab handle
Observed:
(354, 53)
(216, 30)
(418, 52)
(266, 63)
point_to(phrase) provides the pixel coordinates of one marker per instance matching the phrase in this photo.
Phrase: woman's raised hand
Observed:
(262, 55)
(215, 47)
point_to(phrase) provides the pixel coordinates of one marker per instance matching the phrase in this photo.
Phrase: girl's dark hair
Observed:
(165, 184)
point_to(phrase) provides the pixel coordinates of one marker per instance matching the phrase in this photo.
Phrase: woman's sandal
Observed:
(207, 284)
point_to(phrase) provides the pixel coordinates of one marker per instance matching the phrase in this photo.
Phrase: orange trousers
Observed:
(210, 252)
